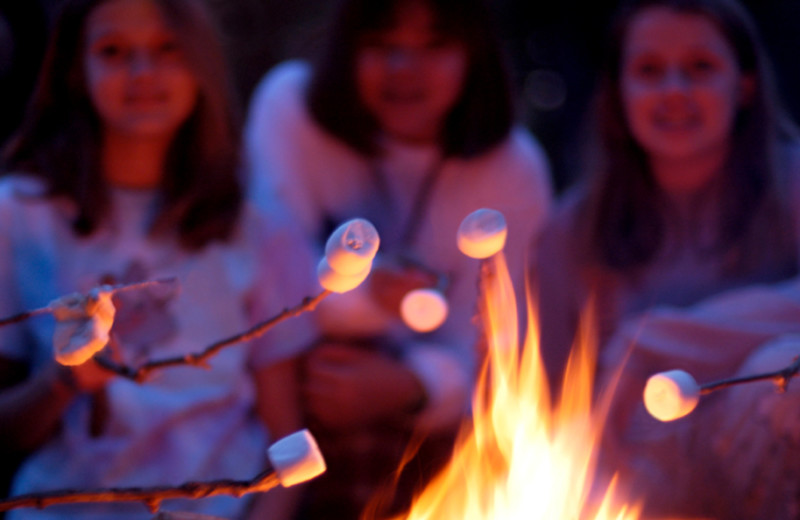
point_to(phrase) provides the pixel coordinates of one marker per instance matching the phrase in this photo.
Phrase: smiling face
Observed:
(409, 75)
(680, 85)
(136, 74)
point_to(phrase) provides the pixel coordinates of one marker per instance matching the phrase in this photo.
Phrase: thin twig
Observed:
(200, 358)
(149, 496)
(780, 377)
(143, 285)
(16, 318)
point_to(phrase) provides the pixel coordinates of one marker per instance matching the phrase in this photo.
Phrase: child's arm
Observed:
(278, 406)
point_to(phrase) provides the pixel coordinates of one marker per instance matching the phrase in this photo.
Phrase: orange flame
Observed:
(522, 457)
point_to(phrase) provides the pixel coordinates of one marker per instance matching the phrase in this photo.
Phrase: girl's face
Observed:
(136, 74)
(410, 76)
(680, 85)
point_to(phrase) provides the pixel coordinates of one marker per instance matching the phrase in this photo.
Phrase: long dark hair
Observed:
(481, 118)
(622, 224)
(59, 140)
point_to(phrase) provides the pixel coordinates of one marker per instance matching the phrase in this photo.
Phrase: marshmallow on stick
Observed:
(352, 246)
(349, 253)
(424, 310)
(296, 458)
(671, 395)
(83, 323)
(482, 233)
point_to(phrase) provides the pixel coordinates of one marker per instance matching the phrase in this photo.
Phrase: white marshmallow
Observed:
(296, 458)
(352, 246)
(671, 395)
(424, 310)
(482, 233)
(337, 282)
(83, 324)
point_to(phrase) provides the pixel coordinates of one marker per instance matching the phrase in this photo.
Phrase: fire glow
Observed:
(521, 457)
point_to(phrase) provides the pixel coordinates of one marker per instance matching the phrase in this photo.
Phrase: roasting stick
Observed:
(779, 377)
(196, 359)
(349, 253)
(294, 459)
(674, 394)
(22, 316)
(200, 359)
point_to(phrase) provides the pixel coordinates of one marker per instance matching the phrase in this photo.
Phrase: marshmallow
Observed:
(352, 246)
(83, 324)
(424, 310)
(671, 395)
(337, 282)
(482, 233)
(296, 458)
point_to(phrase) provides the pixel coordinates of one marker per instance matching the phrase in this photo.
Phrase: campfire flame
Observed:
(522, 457)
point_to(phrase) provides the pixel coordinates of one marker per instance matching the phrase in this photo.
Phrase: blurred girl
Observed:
(686, 192)
(406, 120)
(126, 169)
(735, 455)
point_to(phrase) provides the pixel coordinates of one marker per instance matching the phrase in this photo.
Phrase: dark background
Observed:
(555, 47)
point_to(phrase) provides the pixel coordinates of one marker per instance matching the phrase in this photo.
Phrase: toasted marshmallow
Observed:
(296, 458)
(83, 324)
(671, 395)
(352, 246)
(337, 282)
(482, 233)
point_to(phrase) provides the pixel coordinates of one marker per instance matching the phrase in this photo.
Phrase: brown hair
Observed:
(622, 219)
(59, 140)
